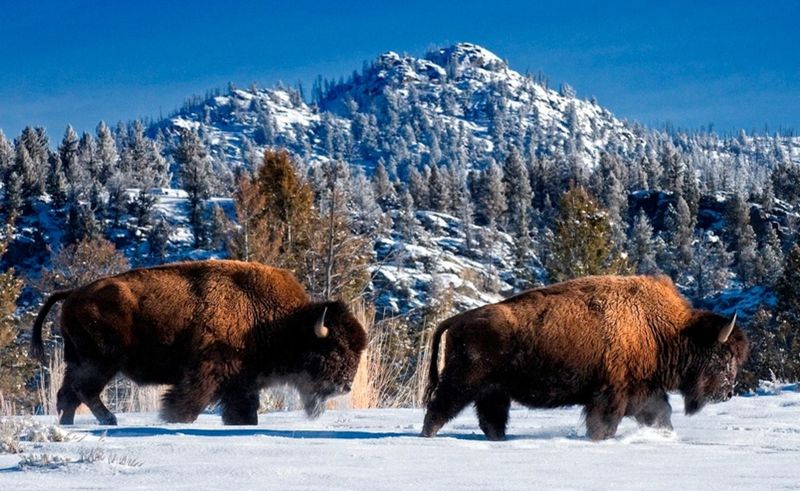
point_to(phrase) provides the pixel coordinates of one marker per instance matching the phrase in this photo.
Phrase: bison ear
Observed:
(320, 329)
(726, 331)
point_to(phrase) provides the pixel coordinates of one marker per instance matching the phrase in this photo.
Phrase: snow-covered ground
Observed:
(747, 443)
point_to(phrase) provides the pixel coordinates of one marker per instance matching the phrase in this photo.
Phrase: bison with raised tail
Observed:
(615, 345)
(213, 330)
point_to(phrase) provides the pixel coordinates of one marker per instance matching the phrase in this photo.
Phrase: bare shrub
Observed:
(14, 431)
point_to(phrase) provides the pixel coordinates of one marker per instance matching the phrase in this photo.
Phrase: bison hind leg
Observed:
(492, 407)
(447, 401)
(86, 381)
(67, 400)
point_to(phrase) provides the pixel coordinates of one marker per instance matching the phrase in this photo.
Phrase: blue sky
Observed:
(734, 64)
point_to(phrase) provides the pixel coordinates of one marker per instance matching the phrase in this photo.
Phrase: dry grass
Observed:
(392, 369)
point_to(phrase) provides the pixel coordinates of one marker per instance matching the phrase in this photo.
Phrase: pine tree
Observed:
(518, 195)
(747, 264)
(418, 187)
(384, 190)
(678, 231)
(6, 156)
(57, 185)
(220, 227)
(288, 205)
(25, 169)
(68, 151)
(158, 241)
(81, 224)
(13, 200)
(107, 158)
(16, 369)
(787, 291)
(709, 266)
(641, 249)
(767, 359)
(336, 261)
(439, 190)
(581, 244)
(195, 173)
(744, 239)
(406, 222)
(491, 197)
(770, 257)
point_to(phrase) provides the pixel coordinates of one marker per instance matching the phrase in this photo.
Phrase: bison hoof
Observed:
(109, 421)
(495, 437)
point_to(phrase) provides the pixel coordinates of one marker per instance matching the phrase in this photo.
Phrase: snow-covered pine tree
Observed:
(68, 151)
(491, 196)
(641, 250)
(107, 157)
(419, 190)
(13, 198)
(194, 167)
(709, 266)
(770, 257)
(158, 241)
(384, 190)
(678, 233)
(6, 156)
(743, 238)
(518, 199)
(57, 184)
(406, 223)
(787, 313)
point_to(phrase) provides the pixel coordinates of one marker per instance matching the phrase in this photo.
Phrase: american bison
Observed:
(616, 345)
(213, 330)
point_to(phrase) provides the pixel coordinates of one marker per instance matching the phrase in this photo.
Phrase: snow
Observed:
(747, 443)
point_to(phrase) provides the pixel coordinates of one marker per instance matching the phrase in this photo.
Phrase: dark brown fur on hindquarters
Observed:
(615, 345)
(212, 330)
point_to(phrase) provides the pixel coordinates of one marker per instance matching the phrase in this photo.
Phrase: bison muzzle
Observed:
(212, 330)
(615, 345)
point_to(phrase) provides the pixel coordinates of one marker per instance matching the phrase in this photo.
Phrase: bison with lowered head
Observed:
(615, 345)
(213, 330)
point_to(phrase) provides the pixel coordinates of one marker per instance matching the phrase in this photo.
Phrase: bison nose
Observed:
(730, 395)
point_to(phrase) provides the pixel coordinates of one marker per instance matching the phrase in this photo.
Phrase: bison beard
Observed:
(616, 345)
(212, 330)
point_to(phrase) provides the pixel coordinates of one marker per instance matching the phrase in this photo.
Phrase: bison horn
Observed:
(726, 331)
(319, 328)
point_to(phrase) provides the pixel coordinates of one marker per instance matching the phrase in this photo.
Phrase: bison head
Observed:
(329, 341)
(717, 349)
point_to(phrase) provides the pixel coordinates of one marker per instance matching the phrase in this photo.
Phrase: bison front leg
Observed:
(184, 402)
(603, 415)
(240, 407)
(492, 408)
(656, 412)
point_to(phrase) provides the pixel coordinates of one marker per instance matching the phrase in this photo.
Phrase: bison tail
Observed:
(37, 345)
(433, 369)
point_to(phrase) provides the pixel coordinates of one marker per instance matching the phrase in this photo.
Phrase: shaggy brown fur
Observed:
(615, 345)
(213, 330)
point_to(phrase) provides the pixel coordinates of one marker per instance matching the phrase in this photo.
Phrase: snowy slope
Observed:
(747, 443)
